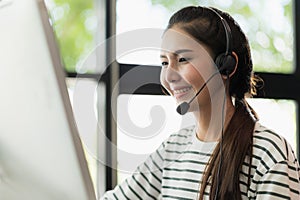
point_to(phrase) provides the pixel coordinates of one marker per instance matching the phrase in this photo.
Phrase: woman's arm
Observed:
(144, 183)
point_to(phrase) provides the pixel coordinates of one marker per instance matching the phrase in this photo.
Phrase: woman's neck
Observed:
(209, 120)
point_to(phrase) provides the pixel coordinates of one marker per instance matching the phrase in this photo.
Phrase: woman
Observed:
(228, 154)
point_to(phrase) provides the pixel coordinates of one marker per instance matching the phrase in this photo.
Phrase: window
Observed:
(271, 40)
(273, 52)
(75, 24)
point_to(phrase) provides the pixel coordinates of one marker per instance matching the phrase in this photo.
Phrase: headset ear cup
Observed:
(225, 63)
(219, 61)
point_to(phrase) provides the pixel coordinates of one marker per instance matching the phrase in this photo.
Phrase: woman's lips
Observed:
(180, 92)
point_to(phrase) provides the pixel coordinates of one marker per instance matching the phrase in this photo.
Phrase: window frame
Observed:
(277, 85)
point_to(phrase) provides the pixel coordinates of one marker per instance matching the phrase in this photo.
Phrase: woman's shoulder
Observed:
(265, 136)
(271, 147)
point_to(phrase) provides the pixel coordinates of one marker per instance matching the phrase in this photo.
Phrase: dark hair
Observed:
(206, 27)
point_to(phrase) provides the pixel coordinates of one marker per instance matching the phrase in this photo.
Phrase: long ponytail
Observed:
(237, 144)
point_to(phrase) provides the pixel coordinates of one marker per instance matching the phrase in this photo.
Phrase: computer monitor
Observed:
(41, 155)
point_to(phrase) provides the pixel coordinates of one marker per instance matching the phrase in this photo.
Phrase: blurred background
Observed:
(110, 99)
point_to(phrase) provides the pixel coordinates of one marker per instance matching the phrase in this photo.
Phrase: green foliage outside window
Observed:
(74, 23)
(268, 24)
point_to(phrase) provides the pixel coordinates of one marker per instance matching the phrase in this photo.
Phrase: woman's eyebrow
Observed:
(177, 52)
(162, 56)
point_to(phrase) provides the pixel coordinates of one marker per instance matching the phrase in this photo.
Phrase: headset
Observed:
(225, 61)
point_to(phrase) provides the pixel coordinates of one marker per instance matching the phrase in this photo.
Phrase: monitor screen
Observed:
(41, 155)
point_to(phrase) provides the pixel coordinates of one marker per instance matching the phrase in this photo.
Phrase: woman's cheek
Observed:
(193, 77)
(163, 81)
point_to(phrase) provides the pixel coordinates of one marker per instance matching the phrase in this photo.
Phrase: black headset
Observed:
(225, 61)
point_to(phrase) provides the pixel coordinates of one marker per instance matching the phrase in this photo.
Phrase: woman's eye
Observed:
(164, 64)
(183, 59)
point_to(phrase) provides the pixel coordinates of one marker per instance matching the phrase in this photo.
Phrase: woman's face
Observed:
(186, 65)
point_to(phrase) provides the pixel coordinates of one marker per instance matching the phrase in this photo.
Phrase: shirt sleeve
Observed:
(144, 183)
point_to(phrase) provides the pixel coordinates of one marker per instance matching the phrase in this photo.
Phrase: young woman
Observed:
(228, 154)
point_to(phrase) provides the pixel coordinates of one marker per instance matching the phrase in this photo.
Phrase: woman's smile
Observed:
(181, 92)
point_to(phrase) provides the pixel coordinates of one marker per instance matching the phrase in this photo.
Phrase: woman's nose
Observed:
(172, 75)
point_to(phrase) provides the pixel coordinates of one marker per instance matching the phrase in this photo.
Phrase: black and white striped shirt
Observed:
(175, 169)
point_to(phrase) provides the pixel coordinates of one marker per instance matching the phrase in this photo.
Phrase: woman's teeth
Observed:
(182, 90)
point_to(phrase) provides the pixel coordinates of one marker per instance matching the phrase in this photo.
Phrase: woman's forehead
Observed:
(176, 39)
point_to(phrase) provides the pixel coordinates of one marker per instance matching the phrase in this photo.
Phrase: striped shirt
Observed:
(175, 169)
